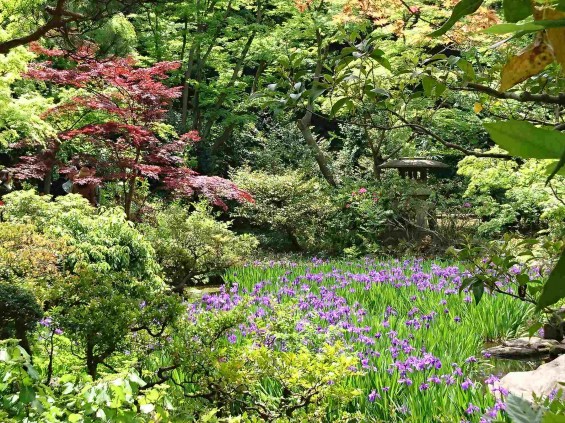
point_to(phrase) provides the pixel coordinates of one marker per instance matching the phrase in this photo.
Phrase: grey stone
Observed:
(525, 348)
(542, 381)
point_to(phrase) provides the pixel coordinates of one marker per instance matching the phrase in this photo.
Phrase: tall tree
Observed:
(129, 104)
(62, 18)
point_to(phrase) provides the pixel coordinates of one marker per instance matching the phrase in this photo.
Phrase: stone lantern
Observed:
(417, 169)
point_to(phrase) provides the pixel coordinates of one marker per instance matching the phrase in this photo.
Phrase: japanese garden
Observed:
(282, 211)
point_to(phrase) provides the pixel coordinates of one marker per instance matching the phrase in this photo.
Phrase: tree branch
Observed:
(423, 130)
(523, 96)
(55, 21)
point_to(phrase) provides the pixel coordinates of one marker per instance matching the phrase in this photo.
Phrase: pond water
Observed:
(502, 366)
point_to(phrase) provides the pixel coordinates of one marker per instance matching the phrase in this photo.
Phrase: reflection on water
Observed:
(502, 366)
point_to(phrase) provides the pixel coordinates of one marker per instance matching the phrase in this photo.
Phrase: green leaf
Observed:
(74, 418)
(478, 291)
(339, 104)
(467, 68)
(461, 9)
(557, 168)
(534, 328)
(428, 83)
(516, 10)
(467, 283)
(554, 288)
(522, 139)
(553, 418)
(383, 61)
(440, 88)
(507, 28)
(316, 91)
(377, 53)
(521, 411)
(524, 28)
(32, 372)
(27, 394)
(551, 167)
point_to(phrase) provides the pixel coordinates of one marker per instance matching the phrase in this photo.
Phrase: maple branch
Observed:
(523, 96)
(58, 13)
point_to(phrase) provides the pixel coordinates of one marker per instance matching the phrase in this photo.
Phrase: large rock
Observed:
(541, 381)
(527, 348)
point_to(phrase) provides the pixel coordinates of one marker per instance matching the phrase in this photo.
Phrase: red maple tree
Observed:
(127, 102)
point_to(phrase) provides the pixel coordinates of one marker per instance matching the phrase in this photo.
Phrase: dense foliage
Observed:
(150, 148)
(195, 247)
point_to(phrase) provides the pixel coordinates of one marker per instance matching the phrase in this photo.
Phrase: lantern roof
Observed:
(413, 163)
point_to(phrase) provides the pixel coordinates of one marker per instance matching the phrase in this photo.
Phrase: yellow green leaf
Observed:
(556, 36)
(527, 63)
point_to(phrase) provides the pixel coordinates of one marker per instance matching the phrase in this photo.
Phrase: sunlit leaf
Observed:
(554, 288)
(523, 139)
(527, 63)
(507, 28)
(146, 408)
(553, 418)
(461, 9)
(521, 411)
(556, 36)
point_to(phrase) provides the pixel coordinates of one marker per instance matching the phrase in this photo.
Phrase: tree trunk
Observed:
(304, 123)
(375, 155)
(91, 360)
(46, 184)
(304, 126)
(22, 336)
(185, 88)
(235, 75)
(294, 240)
(221, 140)
(129, 197)
(260, 69)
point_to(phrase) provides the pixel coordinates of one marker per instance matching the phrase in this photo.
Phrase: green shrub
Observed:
(192, 246)
(105, 285)
(360, 215)
(507, 195)
(30, 259)
(280, 375)
(73, 397)
(100, 312)
(19, 313)
(289, 204)
(104, 242)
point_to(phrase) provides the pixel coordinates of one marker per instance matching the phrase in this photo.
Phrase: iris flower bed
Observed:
(417, 338)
